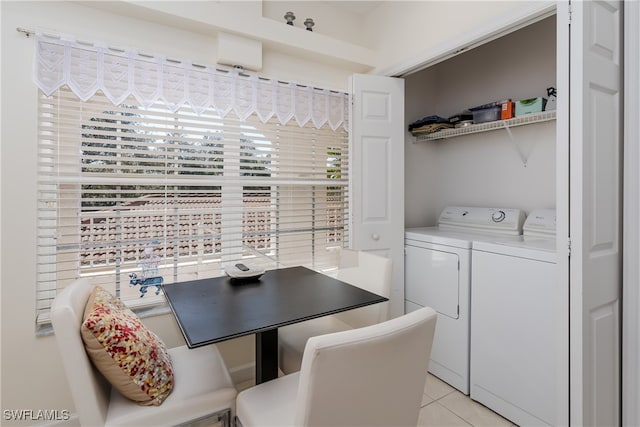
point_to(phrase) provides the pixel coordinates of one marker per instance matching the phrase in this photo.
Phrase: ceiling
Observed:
(362, 7)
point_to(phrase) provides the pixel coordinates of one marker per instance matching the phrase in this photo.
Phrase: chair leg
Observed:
(236, 422)
(225, 418)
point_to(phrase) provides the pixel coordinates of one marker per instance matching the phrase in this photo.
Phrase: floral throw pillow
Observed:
(131, 357)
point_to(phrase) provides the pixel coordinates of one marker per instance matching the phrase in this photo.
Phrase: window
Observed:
(122, 187)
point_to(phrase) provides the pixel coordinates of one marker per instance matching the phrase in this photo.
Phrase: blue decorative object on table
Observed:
(145, 283)
(149, 266)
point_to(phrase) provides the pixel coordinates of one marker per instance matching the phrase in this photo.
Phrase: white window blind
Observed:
(123, 185)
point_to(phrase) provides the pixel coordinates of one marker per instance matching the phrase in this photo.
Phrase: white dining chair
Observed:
(202, 385)
(362, 269)
(371, 376)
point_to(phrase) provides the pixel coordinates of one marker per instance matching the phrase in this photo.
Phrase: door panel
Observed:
(595, 123)
(377, 173)
(433, 279)
(375, 179)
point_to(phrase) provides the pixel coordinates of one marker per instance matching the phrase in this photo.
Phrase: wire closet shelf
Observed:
(527, 119)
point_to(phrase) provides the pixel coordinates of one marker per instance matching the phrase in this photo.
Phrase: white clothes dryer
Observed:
(438, 273)
(519, 318)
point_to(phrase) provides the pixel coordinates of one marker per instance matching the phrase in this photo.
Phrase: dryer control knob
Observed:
(498, 216)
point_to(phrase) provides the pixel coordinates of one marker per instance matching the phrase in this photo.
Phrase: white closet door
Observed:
(377, 173)
(594, 193)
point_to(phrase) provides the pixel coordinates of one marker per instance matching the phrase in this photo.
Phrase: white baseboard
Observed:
(242, 373)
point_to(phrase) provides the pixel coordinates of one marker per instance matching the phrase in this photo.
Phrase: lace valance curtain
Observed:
(86, 68)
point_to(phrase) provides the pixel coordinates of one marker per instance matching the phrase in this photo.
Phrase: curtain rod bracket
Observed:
(27, 33)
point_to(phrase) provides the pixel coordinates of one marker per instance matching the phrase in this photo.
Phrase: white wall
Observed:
(32, 376)
(244, 18)
(400, 31)
(482, 169)
(386, 39)
(329, 18)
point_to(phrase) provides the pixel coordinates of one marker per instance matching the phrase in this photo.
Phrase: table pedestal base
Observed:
(266, 355)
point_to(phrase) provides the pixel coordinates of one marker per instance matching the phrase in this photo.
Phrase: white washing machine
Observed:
(438, 273)
(519, 322)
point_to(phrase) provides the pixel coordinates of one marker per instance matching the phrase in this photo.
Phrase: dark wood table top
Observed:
(221, 308)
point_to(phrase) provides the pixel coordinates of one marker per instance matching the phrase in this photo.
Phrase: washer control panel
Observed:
(496, 220)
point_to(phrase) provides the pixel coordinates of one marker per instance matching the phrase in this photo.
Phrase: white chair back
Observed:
(89, 389)
(370, 272)
(372, 376)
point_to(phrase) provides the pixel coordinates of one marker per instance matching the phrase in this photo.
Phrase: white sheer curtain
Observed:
(89, 67)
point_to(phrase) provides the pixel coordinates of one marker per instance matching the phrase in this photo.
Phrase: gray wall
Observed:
(483, 169)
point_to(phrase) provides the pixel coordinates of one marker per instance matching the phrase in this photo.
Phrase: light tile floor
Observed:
(443, 406)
